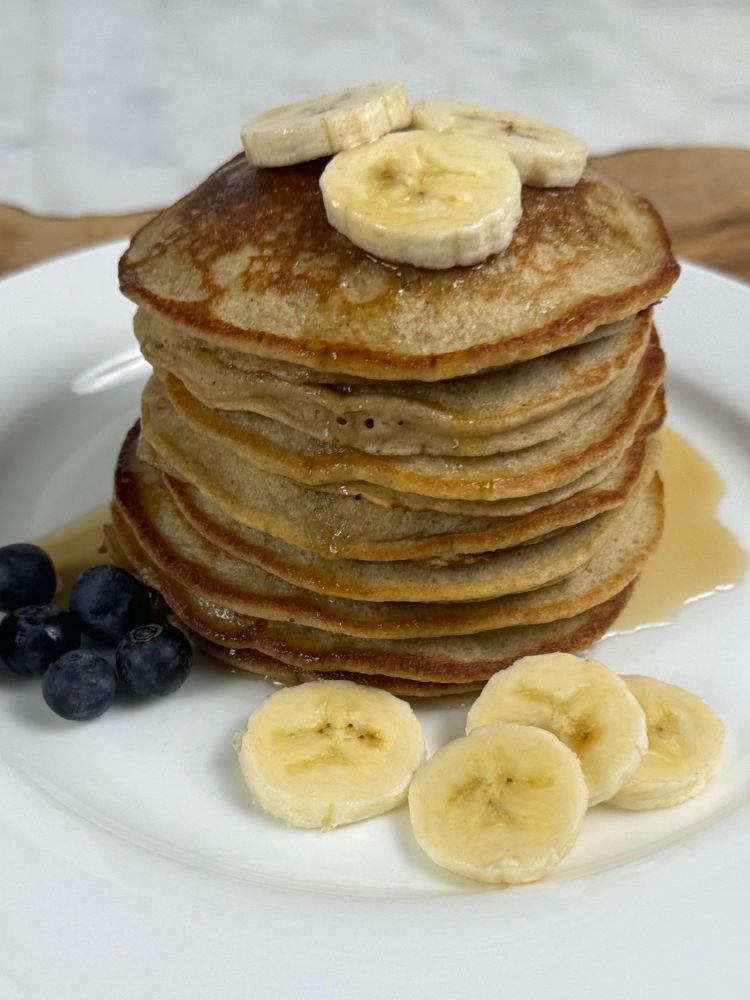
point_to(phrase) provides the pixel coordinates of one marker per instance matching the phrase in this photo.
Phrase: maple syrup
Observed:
(697, 555)
(75, 547)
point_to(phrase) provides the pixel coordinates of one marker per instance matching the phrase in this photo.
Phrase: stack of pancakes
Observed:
(402, 476)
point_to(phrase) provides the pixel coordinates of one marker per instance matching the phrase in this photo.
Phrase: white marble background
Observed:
(119, 105)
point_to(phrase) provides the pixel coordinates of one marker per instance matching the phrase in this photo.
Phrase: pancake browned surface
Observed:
(579, 635)
(253, 662)
(441, 549)
(248, 261)
(396, 475)
(599, 433)
(146, 517)
(495, 411)
(469, 577)
(394, 526)
(341, 526)
(270, 669)
(461, 659)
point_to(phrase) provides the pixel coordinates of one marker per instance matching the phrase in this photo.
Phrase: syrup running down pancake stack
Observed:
(403, 476)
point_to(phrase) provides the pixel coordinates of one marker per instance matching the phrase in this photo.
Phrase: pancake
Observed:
(143, 509)
(469, 577)
(438, 549)
(161, 331)
(338, 524)
(584, 632)
(252, 662)
(381, 437)
(334, 525)
(150, 508)
(501, 410)
(507, 506)
(248, 261)
(461, 659)
(601, 432)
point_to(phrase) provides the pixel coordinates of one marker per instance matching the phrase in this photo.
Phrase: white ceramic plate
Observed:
(132, 865)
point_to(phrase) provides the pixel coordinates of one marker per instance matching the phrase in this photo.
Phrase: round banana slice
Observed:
(326, 753)
(545, 155)
(429, 199)
(502, 805)
(685, 746)
(294, 133)
(582, 702)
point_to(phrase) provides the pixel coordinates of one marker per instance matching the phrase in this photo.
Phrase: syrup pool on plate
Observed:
(75, 547)
(697, 555)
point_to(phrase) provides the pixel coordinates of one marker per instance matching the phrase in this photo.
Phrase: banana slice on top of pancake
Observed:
(430, 199)
(545, 155)
(294, 133)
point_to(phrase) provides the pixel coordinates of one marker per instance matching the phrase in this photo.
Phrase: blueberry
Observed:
(31, 638)
(27, 576)
(153, 659)
(109, 602)
(80, 685)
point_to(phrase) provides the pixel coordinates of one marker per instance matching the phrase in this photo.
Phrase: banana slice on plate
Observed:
(685, 746)
(326, 753)
(545, 155)
(586, 705)
(429, 199)
(502, 805)
(294, 133)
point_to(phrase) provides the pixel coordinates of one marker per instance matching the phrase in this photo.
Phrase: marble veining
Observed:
(108, 106)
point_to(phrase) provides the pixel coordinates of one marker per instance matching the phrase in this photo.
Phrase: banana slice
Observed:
(685, 746)
(502, 805)
(429, 199)
(324, 125)
(327, 753)
(545, 155)
(583, 703)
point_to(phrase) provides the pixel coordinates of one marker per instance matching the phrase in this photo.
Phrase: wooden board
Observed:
(703, 195)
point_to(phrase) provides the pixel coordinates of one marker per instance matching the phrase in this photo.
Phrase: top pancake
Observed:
(249, 262)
